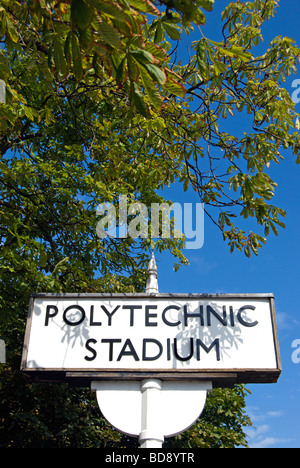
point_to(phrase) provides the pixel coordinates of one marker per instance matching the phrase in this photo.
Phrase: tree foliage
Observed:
(93, 58)
(222, 423)
(97, 105)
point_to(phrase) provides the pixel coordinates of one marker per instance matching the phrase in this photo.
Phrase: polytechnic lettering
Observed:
(149, 317)
(74, 315)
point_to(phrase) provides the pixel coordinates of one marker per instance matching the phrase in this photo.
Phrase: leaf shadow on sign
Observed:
(76, 331)
(207, 322)
(72, 326)
(25, 362)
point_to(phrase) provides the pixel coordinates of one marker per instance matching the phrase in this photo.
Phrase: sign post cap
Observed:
(152, 283)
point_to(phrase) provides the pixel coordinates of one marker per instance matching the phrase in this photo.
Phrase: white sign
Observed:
(231, 337)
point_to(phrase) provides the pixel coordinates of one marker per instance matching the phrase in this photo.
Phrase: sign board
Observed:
(224, 338)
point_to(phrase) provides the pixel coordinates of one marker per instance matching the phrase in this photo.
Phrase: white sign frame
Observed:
(239, 329)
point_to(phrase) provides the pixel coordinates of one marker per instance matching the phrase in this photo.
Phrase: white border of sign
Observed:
(219, 377)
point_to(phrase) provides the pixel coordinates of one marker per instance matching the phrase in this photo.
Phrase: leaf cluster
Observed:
(226, 405)
(89, 37)
(226, 81)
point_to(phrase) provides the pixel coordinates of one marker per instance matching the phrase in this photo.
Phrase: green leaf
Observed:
(2, 22)
(81, 14)
(206, 4)
(201, 57)
(151, 91)
(112, 10)
(159, 53)
(145, 6)
(145, 59)
(121, 72)
(31, 113)
(76, 57)
(110, 35)
(143, 56)
(43, 259)
(172, 30)
(199, 17)
(133, 69)
(240, 53)
(274, 229)
(4, 65)
(157, 73)
(219, 67)
(247, 251)
(159, 33)
(186, 184)
(175, 88)
(234, 51)
(62, 265)
(267, 228)
(59, 58)
(138, 100)
(11, 31)
(67, 48)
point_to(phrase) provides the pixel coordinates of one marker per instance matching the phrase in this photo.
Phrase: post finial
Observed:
(152, 283)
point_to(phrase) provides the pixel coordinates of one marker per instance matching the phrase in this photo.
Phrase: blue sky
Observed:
(274, 408)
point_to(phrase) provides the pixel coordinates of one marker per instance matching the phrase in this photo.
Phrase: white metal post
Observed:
(151, 435)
